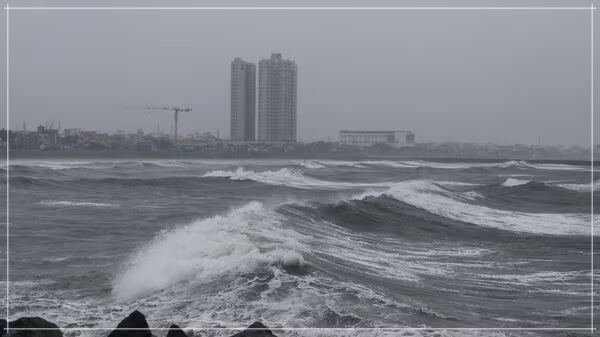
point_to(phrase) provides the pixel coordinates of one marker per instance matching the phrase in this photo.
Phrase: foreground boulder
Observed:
(134, 325)
(42, 327)
(175, 331)
(257, 329)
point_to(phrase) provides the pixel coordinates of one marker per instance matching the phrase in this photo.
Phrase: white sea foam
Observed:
(558, 167)
(513, 163)
(342, 163)
(98, 164)
(412, 164)
(472, 195)
(399, 260)
(169, 163)
(466, 165)
(311, 164)
(208, 248)
(286, 177)
(581, 187)
(510, 182)
(447, 165)
(455, 183)
(390, 163)
(540, 277)
(427, 195)
(54, 165)
(76, 203)
(102, 164)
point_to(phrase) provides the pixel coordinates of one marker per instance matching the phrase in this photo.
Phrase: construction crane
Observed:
(176, 111)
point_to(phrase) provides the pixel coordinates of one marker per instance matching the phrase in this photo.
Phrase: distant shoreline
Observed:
(20, 154)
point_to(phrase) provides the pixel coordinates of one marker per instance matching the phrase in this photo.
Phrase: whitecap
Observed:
(238, 242)
(76, 203)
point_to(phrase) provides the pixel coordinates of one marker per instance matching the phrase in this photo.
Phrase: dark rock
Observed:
(134, 325)
(42, 327)
(333, 319)
(257, 329)
(2, 327)
(175, 331)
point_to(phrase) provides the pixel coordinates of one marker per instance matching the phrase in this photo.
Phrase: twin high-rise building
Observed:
(277, 100)
(243, 100)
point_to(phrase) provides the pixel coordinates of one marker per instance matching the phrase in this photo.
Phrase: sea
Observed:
(308, 247)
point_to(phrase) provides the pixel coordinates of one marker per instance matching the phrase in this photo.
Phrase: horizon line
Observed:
(301, 8)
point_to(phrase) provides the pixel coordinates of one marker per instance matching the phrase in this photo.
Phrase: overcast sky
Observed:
(503, 76)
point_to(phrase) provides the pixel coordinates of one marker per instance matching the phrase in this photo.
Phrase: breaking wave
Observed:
(238, 242)
(413, 164)
(510, 182)
(375, 249)
(286, 177)
(435, 199)
(311, 164)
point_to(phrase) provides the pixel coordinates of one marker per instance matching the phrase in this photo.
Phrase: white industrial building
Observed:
(370, 138)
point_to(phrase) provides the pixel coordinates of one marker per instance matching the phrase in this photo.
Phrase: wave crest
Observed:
(511, 182)
(429, 196)
(236, 243)
(311, 164)
(285, 177)
(76, 203)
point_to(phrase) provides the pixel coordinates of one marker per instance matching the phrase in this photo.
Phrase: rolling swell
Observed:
(26, 181)
(430, 196)
(310, 250)
(256, 254)
(534, 196)
(385, 214)
(285, 177)
(111, 181)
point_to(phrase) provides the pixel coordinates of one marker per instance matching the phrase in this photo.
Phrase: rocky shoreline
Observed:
(134, 325)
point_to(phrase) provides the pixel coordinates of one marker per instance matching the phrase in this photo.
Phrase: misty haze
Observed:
(299, 172)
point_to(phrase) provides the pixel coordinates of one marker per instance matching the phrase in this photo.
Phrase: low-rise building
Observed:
(370, 138)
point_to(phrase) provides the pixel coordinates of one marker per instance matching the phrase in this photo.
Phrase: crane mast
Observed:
(176, 111)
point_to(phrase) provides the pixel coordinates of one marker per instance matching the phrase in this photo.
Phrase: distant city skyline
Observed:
(475, 76)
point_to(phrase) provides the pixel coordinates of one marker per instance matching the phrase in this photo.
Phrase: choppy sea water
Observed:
(320, 244)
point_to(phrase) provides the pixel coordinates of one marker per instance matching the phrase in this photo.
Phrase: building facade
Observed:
(243, 100)
(277, 100)
(370, 138)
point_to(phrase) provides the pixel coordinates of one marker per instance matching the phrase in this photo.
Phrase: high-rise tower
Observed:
(277, 82)
(243, 100)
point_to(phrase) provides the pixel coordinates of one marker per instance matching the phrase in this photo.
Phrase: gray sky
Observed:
(450, 75)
